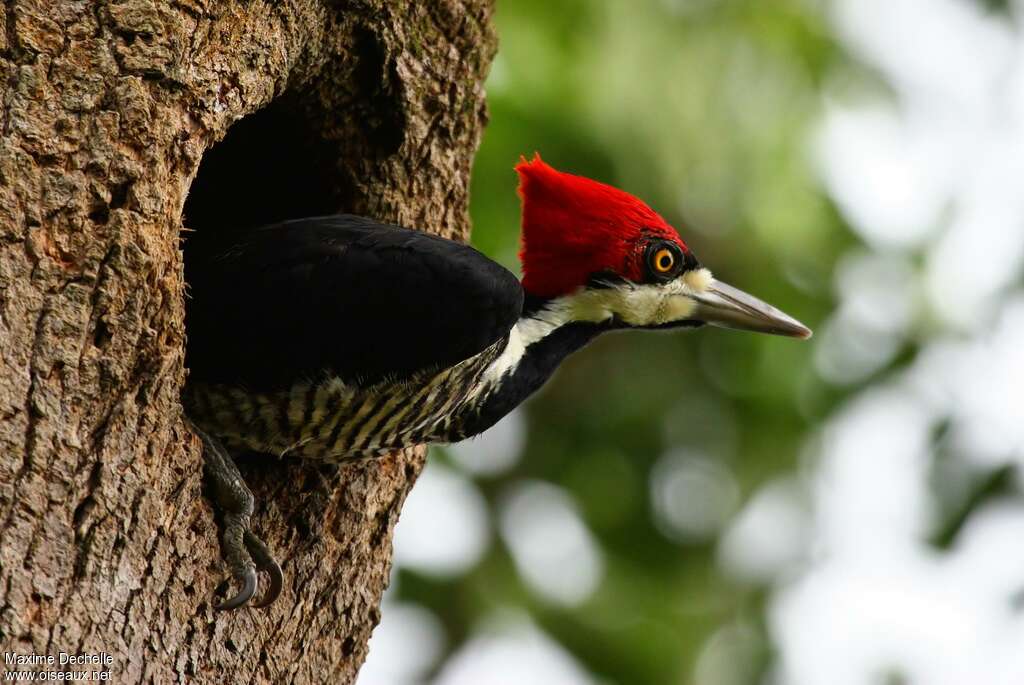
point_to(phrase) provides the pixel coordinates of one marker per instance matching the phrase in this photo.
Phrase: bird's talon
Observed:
(273, 590)
(250, 584)
(265, 562)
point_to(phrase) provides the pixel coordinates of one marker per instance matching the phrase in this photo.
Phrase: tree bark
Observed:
(108, 110)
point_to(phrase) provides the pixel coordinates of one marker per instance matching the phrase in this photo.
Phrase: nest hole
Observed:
(270, 166)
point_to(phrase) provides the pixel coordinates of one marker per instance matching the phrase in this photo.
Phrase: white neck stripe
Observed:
(634, 304)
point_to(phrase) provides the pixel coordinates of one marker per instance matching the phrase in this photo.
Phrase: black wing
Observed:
(341, 294)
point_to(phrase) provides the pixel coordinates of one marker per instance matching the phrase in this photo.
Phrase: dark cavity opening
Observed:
(269, 167)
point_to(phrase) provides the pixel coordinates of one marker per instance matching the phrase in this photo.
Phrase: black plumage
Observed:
(339, 296)
(339, 337)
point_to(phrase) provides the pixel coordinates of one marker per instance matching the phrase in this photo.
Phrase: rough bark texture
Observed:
(107, 110)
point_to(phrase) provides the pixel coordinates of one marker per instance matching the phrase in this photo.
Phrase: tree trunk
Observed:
(107, 111)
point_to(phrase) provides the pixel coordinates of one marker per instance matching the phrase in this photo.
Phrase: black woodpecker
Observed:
(339, 337)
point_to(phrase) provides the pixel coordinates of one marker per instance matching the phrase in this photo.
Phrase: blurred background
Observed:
(722, 508)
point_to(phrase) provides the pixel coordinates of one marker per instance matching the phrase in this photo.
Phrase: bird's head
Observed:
(609, 258)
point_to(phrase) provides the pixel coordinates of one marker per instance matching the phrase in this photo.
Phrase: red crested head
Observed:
(574, 227)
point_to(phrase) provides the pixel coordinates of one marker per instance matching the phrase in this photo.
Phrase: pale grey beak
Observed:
(728, 307)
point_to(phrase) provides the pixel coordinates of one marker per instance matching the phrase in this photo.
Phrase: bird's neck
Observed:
(545, 335)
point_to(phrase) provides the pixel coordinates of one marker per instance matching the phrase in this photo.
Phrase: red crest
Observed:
(574, 227)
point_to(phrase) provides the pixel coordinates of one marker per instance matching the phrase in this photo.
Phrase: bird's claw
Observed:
(265, 562)
(249, 586)
(257, 558)
(247, 555)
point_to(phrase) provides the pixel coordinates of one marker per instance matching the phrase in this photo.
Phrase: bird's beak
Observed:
(722, 305)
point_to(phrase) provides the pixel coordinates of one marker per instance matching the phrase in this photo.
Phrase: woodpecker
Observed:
(339, 337)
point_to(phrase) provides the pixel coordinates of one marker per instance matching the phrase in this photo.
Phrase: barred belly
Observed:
(332, 420)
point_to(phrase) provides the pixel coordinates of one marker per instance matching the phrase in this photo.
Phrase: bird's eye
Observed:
(664, 260)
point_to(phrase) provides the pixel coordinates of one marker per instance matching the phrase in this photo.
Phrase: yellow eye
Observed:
(664, 260)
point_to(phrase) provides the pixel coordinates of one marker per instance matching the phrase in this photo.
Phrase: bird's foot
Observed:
(244, 552)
